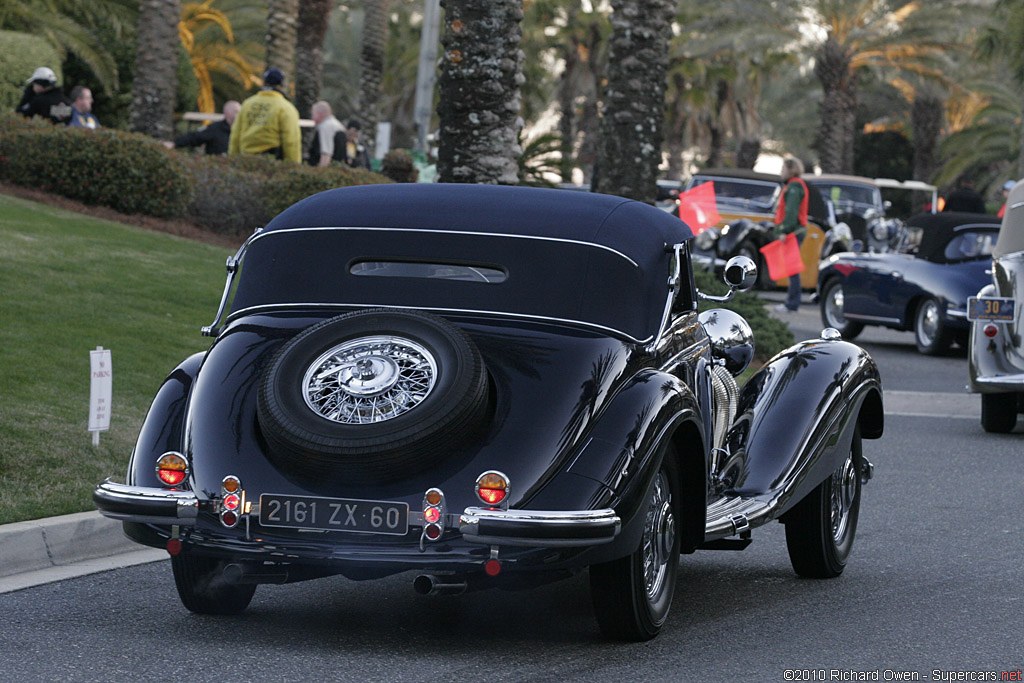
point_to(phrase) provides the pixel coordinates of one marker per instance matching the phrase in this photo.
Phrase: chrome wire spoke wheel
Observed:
(369, 379)
(844, 491)
(658, 539)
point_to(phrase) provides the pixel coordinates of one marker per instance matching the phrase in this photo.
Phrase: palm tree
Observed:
(282, 22)
(71, 26)
(207, 37)
(156, 63)
(634, 99)
(479, 104)
(313, 19)
(1004, 40)
(371, 59)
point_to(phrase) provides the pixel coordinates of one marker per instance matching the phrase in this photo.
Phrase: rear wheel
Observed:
(820, 528)
(932, 336)
(833, 301)
(632, 595)
(203, 589)
(998, 412)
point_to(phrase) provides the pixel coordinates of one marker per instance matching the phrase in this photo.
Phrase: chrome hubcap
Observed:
(844, 491)
(928, 323)
(659, 538)
(369, 379)
(834, 307)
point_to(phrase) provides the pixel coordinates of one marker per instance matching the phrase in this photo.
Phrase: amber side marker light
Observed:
(172, 468)
(492, 487)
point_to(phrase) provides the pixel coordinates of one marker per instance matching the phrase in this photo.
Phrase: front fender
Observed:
(164, 427)
(739, 232)
(796, 419)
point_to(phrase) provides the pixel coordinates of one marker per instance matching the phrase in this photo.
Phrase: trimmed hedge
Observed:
(136, 174)
(127, 172)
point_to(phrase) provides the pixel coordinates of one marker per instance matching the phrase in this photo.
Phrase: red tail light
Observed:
(172, 468)
(492, 487)
(991, 331)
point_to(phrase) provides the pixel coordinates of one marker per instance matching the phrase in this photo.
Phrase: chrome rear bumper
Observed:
(539, 528)
(147, 505)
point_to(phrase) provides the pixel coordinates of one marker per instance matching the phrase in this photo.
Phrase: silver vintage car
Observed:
(996, 348)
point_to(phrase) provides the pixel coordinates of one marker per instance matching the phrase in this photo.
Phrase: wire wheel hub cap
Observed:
(659, 538)
(369, 379)
(844, 490)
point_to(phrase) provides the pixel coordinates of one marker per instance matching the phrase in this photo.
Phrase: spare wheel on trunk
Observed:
(371, 395)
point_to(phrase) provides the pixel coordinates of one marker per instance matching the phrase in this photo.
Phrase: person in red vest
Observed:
(791, 219)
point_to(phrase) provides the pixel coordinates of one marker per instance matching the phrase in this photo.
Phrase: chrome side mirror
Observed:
(740, 274)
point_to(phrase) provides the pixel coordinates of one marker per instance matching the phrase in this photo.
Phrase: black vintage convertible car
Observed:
(923, 286)
(408, 379)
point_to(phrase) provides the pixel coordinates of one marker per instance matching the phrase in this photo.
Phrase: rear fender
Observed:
(796, 419)
(655, 416)
(164, 427)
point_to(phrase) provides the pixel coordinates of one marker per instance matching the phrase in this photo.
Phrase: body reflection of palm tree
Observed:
(591, 391)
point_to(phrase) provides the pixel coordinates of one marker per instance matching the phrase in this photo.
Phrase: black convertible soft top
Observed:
(937, 229)
(572, 256)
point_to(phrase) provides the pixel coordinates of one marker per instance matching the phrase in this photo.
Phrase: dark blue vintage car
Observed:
(493, 387)
(942, 260)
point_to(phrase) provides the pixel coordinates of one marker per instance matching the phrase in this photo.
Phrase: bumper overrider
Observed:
(482, 525)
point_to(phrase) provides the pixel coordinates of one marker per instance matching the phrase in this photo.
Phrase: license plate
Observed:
(334, 514)
(991, 308)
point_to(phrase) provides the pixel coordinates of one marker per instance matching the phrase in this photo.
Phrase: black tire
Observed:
(930, 332)
(202, 588)
(423, 394)
(999, 412)
(820, 528)
(831, 306)
(628, 603)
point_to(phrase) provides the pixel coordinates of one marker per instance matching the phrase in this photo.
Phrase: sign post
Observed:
(100, 390)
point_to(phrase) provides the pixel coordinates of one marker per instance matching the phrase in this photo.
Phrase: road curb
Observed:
(57, 541)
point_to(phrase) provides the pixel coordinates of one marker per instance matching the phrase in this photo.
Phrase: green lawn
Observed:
(71, 283)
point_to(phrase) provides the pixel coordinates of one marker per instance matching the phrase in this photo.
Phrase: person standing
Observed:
(43, 98)
(215, 137)
(965, 198)
(356, 154)
(81, 109)
(1007, 186)
(791, 219)
(328, 141)
(268, 123)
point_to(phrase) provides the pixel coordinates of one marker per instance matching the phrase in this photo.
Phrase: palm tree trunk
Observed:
(282, 21)
(479, 92)
(371, 59)
(838, 108)
(567, 111)
(1020, 148)
(926, 120)
(313, 18)
(156, 65)
(634, 102)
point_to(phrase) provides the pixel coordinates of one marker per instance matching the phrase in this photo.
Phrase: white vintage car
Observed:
(996, 349)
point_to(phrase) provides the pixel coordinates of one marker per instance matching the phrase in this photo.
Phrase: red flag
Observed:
(697, 207)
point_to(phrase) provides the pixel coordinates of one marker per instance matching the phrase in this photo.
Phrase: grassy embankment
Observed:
(71, 283)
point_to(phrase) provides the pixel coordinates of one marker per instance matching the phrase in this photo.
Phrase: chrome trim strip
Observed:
(956, 313)
(858, 316)
(253, 310)
(146, 504)
(673, 288)
(675, 360)
(570, 527)
(284, 231)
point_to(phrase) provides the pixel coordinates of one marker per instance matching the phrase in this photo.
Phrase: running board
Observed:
(733, 516)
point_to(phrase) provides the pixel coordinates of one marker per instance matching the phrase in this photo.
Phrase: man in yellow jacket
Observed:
(268, 123)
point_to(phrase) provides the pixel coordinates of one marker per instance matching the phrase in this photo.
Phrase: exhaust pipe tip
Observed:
(427, 584)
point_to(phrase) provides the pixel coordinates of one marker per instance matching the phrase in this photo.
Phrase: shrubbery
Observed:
(20, 55)
(129, 173)
(136, 174)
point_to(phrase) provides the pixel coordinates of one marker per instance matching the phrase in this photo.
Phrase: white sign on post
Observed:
(100, 390)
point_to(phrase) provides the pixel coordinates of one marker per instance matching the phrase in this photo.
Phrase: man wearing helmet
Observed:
(43, 98)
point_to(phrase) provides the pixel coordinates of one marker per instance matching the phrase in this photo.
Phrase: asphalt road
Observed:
(933, 588)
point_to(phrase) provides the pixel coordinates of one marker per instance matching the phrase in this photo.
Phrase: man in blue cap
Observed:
(268, 123)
